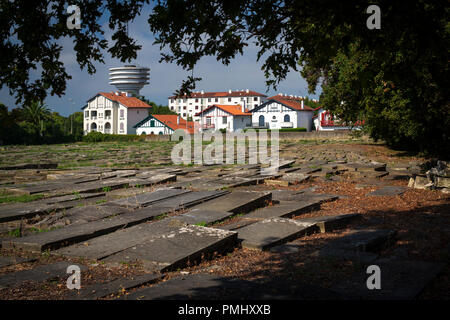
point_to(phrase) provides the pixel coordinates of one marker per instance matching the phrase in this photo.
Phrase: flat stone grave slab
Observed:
(212, 287)
(47, 165)
(388, 191)
(190, 199)
(239, 224)
(400, 280)
(332, 222)
(365, 167)
(9, 261)
(176, 248)
(342, 254)
(199, 216)
(106, 245)
(272, 232)
(237, 202)
(17, 211)
(91, 213)
(71, 234)
(285, 248)
(72, 197)
(363, 240)
(285, 209)
(38, 274)
(144, 199)
(102, 290)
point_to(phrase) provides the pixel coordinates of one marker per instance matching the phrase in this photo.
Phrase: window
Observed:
(196, 107)
(172, 100)
(255, 99)
(86, 114)
(184, 108)
(216, 99)
(209, 99)
(196, 100)
(287, 118)
(121, 127)
(152, 123)
(229, 99)
(224, 120)
(122, 112)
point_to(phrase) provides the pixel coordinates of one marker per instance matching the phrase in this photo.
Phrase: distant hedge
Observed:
(100, 137)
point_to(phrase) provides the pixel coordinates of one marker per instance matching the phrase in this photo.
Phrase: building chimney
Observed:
(178, 119)
(247, 91)
(302, 105)
(229, 91)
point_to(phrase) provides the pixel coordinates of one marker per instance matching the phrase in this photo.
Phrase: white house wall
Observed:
(274, 114)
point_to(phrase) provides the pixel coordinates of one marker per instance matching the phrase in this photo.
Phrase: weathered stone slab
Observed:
(47, 165)
(72, 197)
(91, 213)
(190, 199)
(285, 209)
(199, 216)
(38, 274)
(285, 248)
(175, 249)
(400, 280)
(8, 261)
(237, 202)
(102, 290)
(211, 287)
(363, 240)
(342, 254)
(272, 232)
(295, 177)
(103, 246)
(80, 232)
(144, 199)
(365, 167)
(233, 226)
(330, 223)
(388, 191)
(18, 211)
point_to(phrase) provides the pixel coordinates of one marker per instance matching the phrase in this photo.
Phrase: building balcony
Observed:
(108, 117)
(94, 118)
(327, 123)
(286, 124)
(208, 126)
(257, 125)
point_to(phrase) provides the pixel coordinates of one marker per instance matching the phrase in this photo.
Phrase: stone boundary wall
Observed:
(314, 135)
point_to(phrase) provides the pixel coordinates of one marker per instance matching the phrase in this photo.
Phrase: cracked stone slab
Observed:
(363, 240)
(38, 274)
(197, 216)
(388, 191)
(71, 234)
(102, 290)
(144, 199)
(285, 209)
(400, 280)
(272, 232)
(237, 202)
(176, 248)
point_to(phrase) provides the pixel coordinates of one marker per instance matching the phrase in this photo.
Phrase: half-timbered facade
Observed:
(228, 117)
(163, 124)
(282, 112)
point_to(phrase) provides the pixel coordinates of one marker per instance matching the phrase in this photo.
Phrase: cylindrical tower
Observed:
(129, 78)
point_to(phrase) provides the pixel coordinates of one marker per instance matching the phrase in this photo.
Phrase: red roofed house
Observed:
(189, 105)
(326, 121)
(282, 111)
(229, 117)
(163, 124)
(113, 113)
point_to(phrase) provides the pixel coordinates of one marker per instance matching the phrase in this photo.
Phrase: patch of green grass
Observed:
(201, 224)
(106, 189)
(161, 216)
(100, 201)
(22, 198)
(14, 233)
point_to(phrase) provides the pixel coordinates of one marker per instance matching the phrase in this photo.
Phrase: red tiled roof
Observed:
(220, 94)
(294, 103)
(129, 102)
(170, 120)
(235, 110)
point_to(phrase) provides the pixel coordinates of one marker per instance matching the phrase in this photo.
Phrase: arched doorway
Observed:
(261, 121)
(143, 133)
(287, 118)
(107, 127)
(93, 127)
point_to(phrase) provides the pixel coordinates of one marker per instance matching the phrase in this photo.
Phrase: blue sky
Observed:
(244, 72)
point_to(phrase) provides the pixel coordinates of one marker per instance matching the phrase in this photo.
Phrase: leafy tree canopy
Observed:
(396, 77)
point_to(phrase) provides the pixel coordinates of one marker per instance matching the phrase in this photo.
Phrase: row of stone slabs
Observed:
(170, 243)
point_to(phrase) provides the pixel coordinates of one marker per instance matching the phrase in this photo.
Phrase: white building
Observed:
(189, 106)
(281, 112)
(114, 113)
(163, 124)
(229, 117)
(326, 121)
